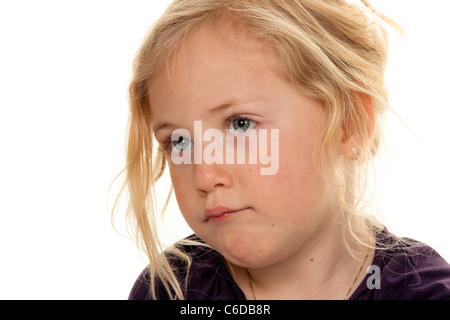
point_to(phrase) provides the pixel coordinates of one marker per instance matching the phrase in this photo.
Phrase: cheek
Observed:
(297, 186)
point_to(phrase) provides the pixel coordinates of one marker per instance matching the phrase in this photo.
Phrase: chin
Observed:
(245, 254)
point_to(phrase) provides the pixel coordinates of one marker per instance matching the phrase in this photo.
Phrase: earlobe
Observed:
(355, 154)
(351, 132)
(349, 148)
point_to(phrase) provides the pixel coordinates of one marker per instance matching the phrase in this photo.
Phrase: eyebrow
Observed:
(220, 108)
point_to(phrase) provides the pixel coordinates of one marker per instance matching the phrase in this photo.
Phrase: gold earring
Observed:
(355, 153)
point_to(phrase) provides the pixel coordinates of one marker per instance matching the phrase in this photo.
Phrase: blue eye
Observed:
(241, 124)
(181, 143)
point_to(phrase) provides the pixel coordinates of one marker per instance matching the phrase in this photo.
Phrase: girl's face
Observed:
(277, 216)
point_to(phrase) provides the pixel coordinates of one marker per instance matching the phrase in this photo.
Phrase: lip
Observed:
(220, 213)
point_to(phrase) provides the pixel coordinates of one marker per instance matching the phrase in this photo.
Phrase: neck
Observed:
(323, 269)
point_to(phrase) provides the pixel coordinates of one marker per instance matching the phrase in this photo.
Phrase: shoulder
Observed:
(405, 270)
(204, 277)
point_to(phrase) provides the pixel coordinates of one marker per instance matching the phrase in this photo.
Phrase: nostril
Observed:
(204, 191)
(201, 193)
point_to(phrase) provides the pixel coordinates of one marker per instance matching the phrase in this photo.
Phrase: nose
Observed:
(209, 177)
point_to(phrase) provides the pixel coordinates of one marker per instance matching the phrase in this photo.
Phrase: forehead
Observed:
(224, 35)
(211, 61)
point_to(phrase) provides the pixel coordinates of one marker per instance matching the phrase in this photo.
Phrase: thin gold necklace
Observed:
(356, 278)
(250, 283)
(346, 295)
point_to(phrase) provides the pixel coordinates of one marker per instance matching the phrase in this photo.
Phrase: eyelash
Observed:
(229, 120)
(166, 143)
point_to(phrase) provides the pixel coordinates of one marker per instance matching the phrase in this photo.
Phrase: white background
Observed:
(64, 71)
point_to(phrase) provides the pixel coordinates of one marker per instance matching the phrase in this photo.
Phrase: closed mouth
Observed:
(220, 213)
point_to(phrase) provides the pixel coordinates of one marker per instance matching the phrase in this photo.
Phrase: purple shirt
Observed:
(413, 271)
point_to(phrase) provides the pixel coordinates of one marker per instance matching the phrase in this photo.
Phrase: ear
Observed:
(350, 136)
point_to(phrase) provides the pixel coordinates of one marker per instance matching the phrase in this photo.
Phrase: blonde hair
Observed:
(333, 50)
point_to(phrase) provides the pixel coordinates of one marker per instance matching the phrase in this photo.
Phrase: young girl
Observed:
(303, 81)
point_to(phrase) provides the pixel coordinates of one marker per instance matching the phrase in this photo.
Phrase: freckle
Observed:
(249, 170)
(312, 259)
(273, 224)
